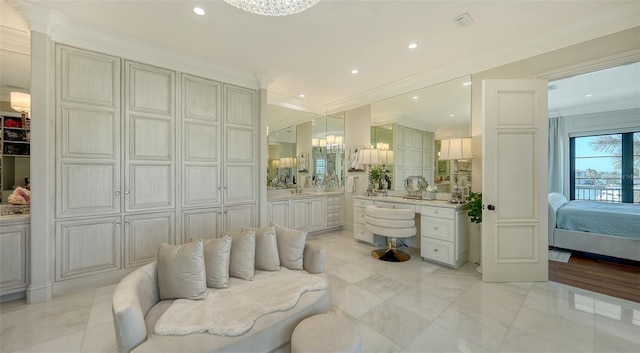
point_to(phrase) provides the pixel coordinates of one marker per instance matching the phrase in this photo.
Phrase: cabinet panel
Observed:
(200, 141)
(439, 212)
(14, 270)
(89, 133)
(240, 145)
(200, 185)
(299, 214)
(88, 78)
(150, 186)
(150, 138)
(144, 234)
(241, 106)
(87, 247)
(150, 89)
(439, 228)
(201, 224)
(201, 98)
(437, 250)
(88, 188)
(317, 214)
(236, 217)
(279, 212)
(241, 184)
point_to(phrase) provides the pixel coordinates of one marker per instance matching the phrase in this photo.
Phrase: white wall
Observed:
(357, 133)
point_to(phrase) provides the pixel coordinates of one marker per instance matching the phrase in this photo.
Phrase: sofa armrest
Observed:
(314, 258)
(133, 297)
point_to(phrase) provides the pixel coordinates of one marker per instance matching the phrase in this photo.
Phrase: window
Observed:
(606, 167)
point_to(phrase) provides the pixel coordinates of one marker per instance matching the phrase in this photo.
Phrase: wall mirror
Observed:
(327, 142)
(425, 116)
(282, 158)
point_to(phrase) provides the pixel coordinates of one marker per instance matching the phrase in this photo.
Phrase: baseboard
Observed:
(38, 293)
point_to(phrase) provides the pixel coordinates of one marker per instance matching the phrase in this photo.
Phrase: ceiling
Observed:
(314, 52)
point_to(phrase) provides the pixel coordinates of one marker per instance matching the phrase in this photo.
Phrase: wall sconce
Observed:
(331, 139)
(323, 142)
(369, 156)
(455, 149)
(21, 102)
(315, 142)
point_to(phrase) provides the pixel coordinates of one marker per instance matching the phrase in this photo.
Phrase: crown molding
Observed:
(15, 40)
(282, 100)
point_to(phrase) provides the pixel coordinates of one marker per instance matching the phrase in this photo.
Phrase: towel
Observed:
(351, 184)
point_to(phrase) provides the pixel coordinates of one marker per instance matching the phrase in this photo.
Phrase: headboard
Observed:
(556, 200)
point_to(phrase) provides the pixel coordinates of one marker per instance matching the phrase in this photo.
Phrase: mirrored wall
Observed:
(307, 154)
(413, 125)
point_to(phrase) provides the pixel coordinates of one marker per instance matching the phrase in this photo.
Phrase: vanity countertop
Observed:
(282, 195)
(14, 219)
(400, 199)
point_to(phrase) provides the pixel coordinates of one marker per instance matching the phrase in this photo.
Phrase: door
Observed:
(143, 235)
(514, 181)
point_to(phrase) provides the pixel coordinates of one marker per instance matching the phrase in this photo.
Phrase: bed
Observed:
(610, 229)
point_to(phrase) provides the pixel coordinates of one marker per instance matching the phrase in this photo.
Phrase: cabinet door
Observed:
(14, 264)
(279, 212)
(239, 216)
(300, 214)
(201, 224)
(149, 138)
(87, 133)
(201, 141)
(317, 214)
(240, 151)
(87, 247)
(143, 235)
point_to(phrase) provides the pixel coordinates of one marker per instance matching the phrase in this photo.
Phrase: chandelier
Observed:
(273, 7)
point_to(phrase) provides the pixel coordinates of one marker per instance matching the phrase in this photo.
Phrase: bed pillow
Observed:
(217, 254)
(181, 271)
(267, 257)
(290, 247)
(243, 254)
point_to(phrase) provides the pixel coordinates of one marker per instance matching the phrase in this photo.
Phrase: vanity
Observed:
(14, 255)
(312, 212)
(442, 227)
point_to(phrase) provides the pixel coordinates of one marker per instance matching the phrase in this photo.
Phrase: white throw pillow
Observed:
(181, 271)
(267, 257)
(217, 254)
(243, 254)
(290, 247)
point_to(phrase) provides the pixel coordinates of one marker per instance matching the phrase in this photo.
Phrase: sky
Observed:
(603, 164)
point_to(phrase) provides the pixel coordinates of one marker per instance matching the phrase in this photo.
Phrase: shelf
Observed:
(15, 128)
(16, 155)
(23, 142)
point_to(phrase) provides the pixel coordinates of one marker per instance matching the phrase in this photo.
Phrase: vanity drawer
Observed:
(362, 203)
(438, 250)
(359, 215)
(334, 199)
(438, 228)
(360, 232)
(401, 206)
(333, 207)
(439, 212)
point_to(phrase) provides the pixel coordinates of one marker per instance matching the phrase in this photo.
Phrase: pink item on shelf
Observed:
(20, 196)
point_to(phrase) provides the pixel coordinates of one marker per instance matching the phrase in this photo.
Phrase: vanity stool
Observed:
(325, 333)
(391, 223)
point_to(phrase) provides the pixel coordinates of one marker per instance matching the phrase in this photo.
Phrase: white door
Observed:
(514, 181)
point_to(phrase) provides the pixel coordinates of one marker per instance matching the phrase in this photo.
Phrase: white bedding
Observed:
(618, 219)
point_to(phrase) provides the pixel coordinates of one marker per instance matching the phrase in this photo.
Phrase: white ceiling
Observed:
(314, 52)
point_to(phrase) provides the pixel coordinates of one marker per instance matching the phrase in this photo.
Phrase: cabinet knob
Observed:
(126, 223)
(126, 192)
(436, 250)
(118, 193)
(225, 188)
(435, 228)
(117, 224)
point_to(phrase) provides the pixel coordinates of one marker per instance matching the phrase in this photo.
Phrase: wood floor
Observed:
(601, 274)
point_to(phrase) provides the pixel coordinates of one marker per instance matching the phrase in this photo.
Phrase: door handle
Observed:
(491, 207)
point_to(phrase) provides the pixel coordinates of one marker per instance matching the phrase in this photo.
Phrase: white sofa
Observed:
(137, 308)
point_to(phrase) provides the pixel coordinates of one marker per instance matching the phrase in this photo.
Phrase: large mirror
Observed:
(413, 125)
(305, 149)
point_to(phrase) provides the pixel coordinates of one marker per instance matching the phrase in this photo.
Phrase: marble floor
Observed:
(414, 306)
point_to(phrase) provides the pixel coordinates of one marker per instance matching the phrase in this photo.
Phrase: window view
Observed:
(606, 168)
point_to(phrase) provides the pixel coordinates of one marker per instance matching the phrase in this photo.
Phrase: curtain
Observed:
(557, 136)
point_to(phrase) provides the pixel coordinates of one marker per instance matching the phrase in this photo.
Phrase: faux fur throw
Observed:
(232, 311)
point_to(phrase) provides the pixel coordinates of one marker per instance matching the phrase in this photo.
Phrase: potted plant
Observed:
(474, 206)
(375, 173)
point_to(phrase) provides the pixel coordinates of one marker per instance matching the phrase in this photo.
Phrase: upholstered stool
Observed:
(325, 333)
(392, 223)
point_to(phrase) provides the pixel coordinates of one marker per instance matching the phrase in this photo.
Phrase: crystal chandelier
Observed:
(273, 7)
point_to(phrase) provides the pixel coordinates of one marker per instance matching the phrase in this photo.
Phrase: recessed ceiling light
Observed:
(588, 95)
(354, 71)
(301, 96)
(415, 97)
(198, 11)
(413, 45)
(452, 115)
(467, 84)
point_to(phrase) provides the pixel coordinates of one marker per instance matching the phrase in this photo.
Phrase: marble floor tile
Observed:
(436, 338)
(351, 273)
(101, 313)
(355, 300)
(496, 300)
(382, 286)
(66, 344)
(519, 341)
(101, 338)
(604, 343)
(397, 324)
(473, 325)
(423, 304)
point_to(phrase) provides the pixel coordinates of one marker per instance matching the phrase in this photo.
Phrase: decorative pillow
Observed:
(243, 254)
(181, 271)
(216, 260)
(290, 247)
(266, 249)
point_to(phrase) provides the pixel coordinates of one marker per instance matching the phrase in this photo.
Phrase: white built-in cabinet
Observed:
(307, 213)
(14, 257)
(146, 155)
(413, 154)
(279, 212)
